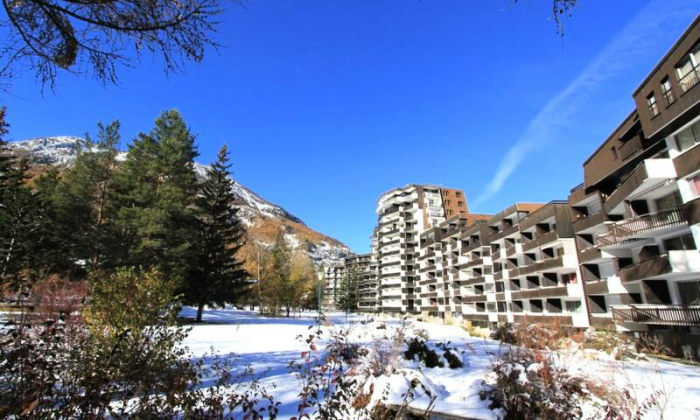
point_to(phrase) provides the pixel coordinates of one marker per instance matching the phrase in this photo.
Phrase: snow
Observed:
(269, 344)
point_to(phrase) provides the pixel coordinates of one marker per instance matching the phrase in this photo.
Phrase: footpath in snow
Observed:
(269, 344)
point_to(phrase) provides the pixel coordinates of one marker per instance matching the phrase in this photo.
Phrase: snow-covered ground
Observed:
(269, 344)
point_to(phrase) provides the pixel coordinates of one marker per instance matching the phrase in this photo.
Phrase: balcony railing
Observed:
(688, 316)
(620, 232)
(691, 79)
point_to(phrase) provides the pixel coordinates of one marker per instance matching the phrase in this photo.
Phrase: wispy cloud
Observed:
(658, 16)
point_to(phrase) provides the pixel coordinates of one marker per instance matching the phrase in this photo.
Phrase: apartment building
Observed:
(637, 213)
(365, 265)
(438, 262)
(519, 265)
(332, 276)
(403, 214)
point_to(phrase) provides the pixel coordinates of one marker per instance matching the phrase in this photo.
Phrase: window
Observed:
(652, 105)
(458, 194)
(573, 306)
(669, 202)
(613, 151)
(459, 204)
(688, 137)
(695, 185)
(687, 69)
(680, 243)
(667, 91)
(690, 292)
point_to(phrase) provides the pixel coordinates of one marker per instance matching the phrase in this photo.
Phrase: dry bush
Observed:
(528, 385)
(653, 344)
(57, 296)
(422, 333)
(613, 343)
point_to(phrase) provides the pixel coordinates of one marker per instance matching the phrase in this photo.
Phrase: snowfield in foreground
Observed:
(269, 344)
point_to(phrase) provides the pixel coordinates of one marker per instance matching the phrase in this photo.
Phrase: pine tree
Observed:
(220, 278)
(92, 184)
(18, 212)
(156, 217)
(347, 295)
(281, 271)
(75, 207)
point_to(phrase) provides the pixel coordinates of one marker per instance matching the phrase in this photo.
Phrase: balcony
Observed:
(595, 219)
(541, 240)
(687, 162)
(636, 227)
(505, 232)
(547, 264)
(688, 316)
(514, 249)
(689, 80)
(646, 175)
(668, 265)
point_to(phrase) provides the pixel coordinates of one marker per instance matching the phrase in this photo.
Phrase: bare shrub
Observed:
(528, 385)
(615, 344)
(56, 296)
(653, 344)
(422, 333)
(116, 367)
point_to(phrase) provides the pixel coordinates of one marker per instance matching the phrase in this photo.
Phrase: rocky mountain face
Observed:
(263, 218)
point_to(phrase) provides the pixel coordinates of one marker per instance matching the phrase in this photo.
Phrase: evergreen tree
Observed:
(18, 212)
(91, 183)
(220, 278)
(156, 217)
(347, 295)
(282, 271)
(75, 207)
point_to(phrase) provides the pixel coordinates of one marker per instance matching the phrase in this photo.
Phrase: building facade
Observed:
(403, 214)
(621, 253)
(637, 213)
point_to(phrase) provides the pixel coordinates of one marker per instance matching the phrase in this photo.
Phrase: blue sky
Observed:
(326, 104)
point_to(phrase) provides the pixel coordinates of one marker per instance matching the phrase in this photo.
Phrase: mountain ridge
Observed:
(263, 218)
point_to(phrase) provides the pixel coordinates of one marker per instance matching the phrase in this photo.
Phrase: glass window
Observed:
(687, 69)
(667, 91)
(573, 306)
(653, 106)
(680, 243)
(688, 137)
(690, 293)
(695, 185)
(669, 202)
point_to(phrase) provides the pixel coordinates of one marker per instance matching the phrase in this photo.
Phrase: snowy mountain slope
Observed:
(262, 217)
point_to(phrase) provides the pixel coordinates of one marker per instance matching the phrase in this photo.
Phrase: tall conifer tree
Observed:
(158, 186)
(220, 278)
(18, 212)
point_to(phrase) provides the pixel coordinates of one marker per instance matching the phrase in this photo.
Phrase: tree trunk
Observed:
(287, 311)
(200, 310)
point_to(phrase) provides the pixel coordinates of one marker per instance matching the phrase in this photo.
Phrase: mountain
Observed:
(262, 218)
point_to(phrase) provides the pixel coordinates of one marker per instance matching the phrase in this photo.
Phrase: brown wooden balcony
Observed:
(688, 316)
(505, 232)
(638, 226)
(645, 175)
(547, 264)
(594, 219)
(671, 264)
(541, 240)
(687, 162)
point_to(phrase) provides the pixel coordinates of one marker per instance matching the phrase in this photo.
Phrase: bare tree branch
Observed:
(97, 36)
